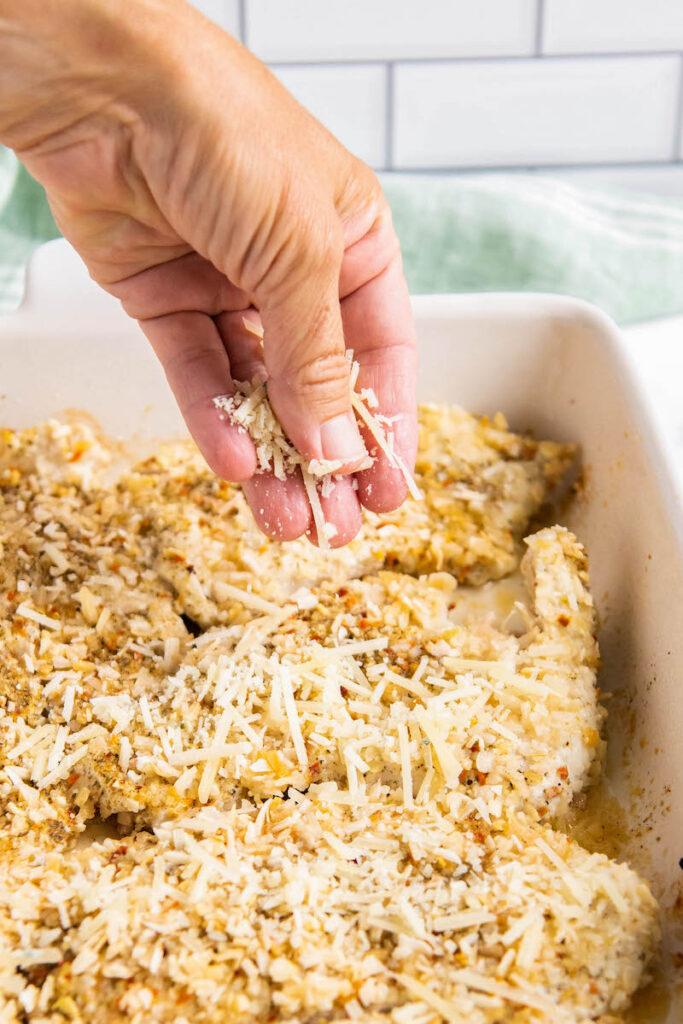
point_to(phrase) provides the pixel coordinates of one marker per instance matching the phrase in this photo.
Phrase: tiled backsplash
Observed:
(589, 88)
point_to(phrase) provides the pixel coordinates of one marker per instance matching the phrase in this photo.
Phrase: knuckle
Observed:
(322, 381)
(301, 238)
(322, 247)
(370, 183)
(328, 370)
(361, 189)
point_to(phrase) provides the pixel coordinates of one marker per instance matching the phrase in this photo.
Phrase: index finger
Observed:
(378, 326)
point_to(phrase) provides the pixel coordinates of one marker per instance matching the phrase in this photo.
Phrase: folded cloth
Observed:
(25, 222)
(619, 250)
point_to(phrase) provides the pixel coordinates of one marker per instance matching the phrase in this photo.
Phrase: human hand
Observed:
(199, 193)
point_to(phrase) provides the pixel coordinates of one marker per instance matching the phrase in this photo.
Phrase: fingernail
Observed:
(340, 438)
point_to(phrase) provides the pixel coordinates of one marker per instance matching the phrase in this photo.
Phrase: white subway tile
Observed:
(521, 113)
(224, 12)
(300, 30)
(349, 100)
(601, 26)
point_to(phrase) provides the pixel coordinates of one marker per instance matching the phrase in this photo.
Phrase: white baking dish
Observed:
(552, 365)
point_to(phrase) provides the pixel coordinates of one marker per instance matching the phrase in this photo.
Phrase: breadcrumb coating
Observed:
(333, 774)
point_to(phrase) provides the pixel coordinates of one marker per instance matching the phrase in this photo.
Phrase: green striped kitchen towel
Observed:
(495, 232)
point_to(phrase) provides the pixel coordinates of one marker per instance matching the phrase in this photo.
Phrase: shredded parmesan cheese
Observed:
(69, 696)
(26, 612)
(323, 779)
(226, 591)
(292, 717)
(316, 508)
(248, 407)
(253, 328)
(406, 772)
(392, 456)
(63, 768)
(146, 713)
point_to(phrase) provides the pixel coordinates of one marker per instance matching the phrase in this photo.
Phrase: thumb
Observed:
(308, 372)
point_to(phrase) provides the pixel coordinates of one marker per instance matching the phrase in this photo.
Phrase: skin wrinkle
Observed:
(320, 255)
(375, 253)
(208, 207)
(186, 282)
(268, 253)
(319, 372)
(160, 139)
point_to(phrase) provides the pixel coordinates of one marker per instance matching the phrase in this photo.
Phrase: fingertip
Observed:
(280, 507)
(235, 467)
(227, 448)
(382, 488)
(378, 325)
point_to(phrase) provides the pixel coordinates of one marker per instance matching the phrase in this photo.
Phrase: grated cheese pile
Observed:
(297, 911)
(333, 779)
(249, 409)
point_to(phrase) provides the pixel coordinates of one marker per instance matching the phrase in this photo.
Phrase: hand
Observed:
(199, 192)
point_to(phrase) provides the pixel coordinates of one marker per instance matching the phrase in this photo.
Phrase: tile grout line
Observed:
(540, 23)
(493, 169)
(548, 58)
(242, 21)
(678, 119)
(389, 118)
